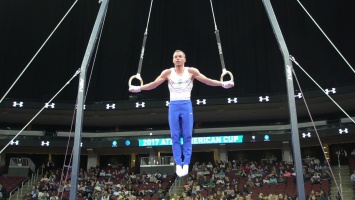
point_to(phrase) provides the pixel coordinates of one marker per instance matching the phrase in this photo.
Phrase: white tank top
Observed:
(180, 86)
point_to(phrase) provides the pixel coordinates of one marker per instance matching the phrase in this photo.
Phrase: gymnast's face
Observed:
(179, 58)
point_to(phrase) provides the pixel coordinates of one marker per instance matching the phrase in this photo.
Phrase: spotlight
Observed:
(114, 143)
(266, 138)
(252, 138)
(127, 143)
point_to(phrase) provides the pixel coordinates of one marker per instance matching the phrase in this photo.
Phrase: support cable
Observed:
(34, 117)
(294, 61)
(341, 55)
(315, 129)
(50, 35)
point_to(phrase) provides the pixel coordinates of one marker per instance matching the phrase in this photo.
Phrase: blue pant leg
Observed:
(174, 123)
(187, 127)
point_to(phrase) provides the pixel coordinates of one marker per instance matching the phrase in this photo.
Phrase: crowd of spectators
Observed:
(101, 184)
(267, 179)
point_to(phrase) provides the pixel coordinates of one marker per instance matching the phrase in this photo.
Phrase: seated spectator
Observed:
(220, 173)
(233, 182)
(243, 174)
(102, 173)
(352, 178)
(273, 179)
(281, 179)
(316, 178)
(2, 192)
(353, 152)
(226, 181)
(245, 190)
(220, 181)
(193, 189)
(287, 174)
(109, 174)
(133, 175)
(258, 183)
(258, 173)
(266, 180)
(232, 195)
(209, 166)
(250, 183)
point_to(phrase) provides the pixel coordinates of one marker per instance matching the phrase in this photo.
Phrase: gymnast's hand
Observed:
(135, 89)
(227, 84)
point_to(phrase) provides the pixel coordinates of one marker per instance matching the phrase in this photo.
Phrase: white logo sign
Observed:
(333, 91)
(142, 105)
(112, 106)
(345, 130)
(17, 104)
(304, 135)
(43, 143)
(266, 98)
(234, 100)
(203, 101)
(52, 105)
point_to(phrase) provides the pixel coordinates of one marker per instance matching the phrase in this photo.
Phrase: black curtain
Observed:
(250, 49)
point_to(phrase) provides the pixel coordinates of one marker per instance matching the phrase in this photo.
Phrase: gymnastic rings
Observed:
(224, 72)
(138, 75)
(219, 45)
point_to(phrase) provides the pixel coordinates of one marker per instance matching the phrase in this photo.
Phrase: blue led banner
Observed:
(195, 140)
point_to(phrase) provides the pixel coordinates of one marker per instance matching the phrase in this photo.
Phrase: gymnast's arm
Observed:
(158, 81)
(202, 78)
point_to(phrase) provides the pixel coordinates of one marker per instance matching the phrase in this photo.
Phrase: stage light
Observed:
(234, 100)
(14, 142)
(345, 130)
(17, 104)
(203, 101)
(308, 134)
(252, 138)
(114, 143)
(266, 138)
(47, 105)
(43, 143)
(333, 91)
(298, 95)
(150, 133)
(140, 104)
(266, 98)
(112, 106)
(127, 143)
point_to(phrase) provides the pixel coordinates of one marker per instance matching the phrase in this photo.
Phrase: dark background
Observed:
(250, 49)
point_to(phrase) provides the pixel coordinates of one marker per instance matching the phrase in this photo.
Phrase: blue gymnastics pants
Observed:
(181, 124)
